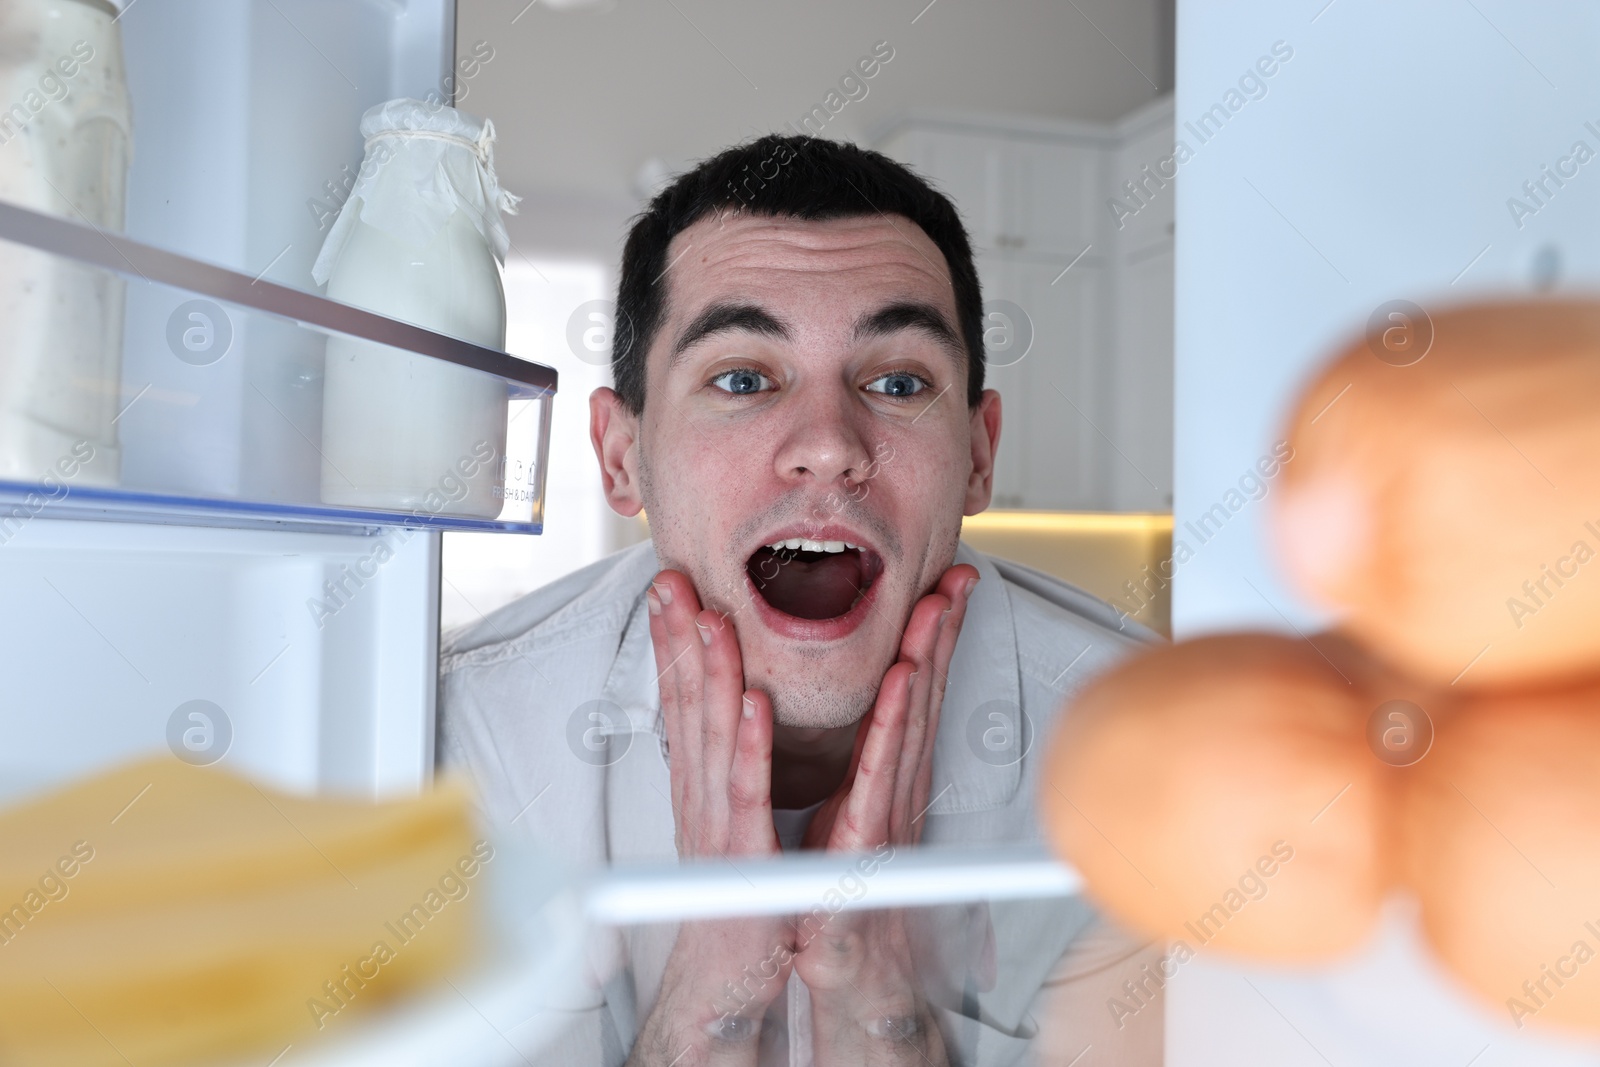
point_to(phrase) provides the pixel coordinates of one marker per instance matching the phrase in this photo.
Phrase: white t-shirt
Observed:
(791, 824)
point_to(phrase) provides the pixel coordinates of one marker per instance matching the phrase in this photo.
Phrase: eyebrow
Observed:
(751, 318)
(910, 315)
(728, 318)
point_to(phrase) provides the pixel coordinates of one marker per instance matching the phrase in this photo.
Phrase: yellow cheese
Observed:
(166, 914)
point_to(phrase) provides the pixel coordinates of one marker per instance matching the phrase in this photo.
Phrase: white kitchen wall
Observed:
(1378, 161)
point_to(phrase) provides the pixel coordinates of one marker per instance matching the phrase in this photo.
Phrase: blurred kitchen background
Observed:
(1031, 114)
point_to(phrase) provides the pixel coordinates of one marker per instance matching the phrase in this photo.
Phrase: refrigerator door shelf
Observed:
(308, 660)
(23, 501)
(220, 414)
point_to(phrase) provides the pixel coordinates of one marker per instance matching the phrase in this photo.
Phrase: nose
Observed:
(823, 442)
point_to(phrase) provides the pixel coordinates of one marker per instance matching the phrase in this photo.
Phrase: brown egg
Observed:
(1449, 510)
(1502, 847)
(1222, 792)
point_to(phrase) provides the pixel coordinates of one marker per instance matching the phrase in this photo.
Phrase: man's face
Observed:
(806, 451)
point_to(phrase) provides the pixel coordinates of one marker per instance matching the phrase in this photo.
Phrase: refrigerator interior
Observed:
(245, 121)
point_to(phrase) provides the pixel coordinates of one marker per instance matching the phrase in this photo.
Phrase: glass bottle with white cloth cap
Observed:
(65, 143)
(420, 239)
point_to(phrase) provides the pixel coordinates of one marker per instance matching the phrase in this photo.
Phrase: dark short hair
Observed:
(794, 176)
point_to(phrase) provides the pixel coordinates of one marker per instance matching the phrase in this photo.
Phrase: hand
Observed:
(719, 734)
(866, 999)
(867, 1004)
(719, 738)
(721, 975)
(885, 791)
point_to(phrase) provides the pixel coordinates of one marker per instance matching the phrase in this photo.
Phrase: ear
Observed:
(985, 427)
(614, 432)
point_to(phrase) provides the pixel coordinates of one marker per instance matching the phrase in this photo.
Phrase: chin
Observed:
(807, 707)
(818, 704)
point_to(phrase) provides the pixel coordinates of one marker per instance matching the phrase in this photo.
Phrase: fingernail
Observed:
(663, 590)
(913, 676)
(705, 632)
(749, 708)
(972, 583)
(653, 602)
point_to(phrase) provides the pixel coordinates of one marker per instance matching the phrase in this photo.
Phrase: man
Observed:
(799, 409)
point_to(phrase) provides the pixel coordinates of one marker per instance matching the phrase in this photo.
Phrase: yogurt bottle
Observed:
(65, 144)
(419, 239)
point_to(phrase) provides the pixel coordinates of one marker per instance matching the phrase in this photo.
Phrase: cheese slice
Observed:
(166, 914)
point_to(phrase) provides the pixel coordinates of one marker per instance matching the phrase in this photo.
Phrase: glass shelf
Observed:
(140, 385)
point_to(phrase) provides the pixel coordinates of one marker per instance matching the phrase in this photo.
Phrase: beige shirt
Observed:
(551, 705)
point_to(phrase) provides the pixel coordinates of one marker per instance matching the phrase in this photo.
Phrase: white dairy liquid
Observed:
(404, 431)
(64, 149)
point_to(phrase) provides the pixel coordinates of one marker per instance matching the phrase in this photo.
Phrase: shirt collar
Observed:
(983, 732)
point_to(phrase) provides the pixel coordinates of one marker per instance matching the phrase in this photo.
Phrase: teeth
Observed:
(803, 544)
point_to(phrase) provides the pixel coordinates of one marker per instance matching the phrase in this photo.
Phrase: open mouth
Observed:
(814, 580)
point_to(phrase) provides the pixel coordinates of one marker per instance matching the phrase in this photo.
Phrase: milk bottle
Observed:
(64, 149)
(419, 239)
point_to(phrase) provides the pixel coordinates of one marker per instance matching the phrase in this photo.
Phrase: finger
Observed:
(862, 730)
(682, 672)
(750, 778)
(957, 585)
(863, 823)
(917, 647)
(720, 716)
(818, 833)
(671, 718)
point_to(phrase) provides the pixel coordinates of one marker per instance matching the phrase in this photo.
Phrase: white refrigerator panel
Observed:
(315, 653)
(1381, 161)
(245, 146)
(1378, 161)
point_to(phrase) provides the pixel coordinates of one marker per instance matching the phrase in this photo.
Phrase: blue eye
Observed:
(742, 382)
(897, 385)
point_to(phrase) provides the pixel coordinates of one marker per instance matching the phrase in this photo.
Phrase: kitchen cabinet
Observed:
(1016, 195)
(1139, 471)
(1048, 197)
(965, 166)
(1050, 445)
(1088, 410)
(1140, 376)
(1138, 158)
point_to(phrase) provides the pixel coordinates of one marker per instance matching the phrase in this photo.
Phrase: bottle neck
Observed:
(395, 140)
(103, 6)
